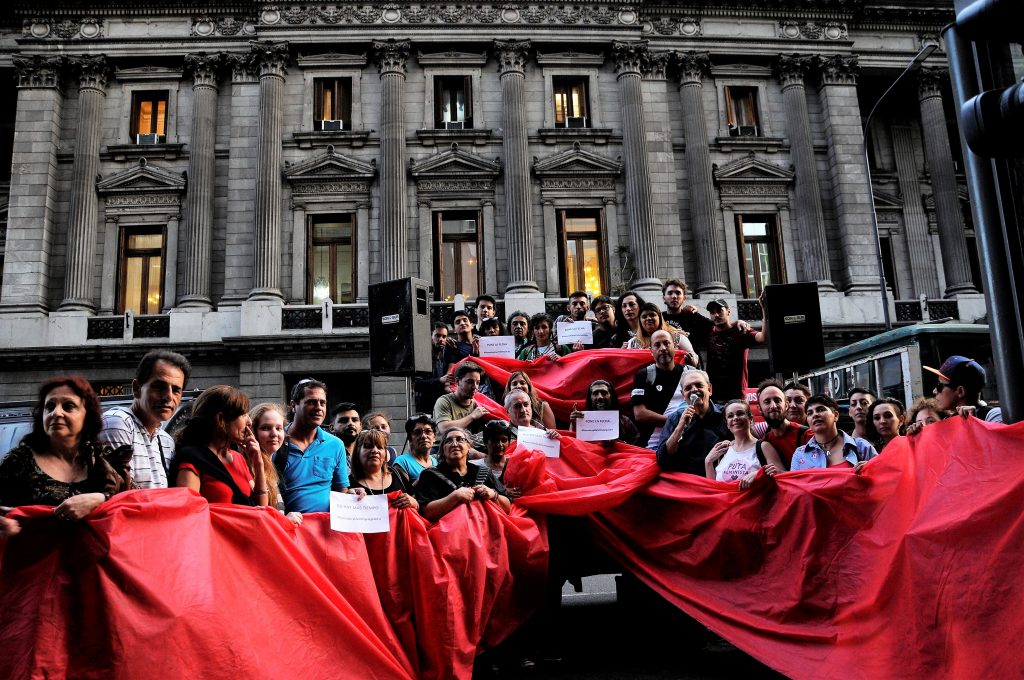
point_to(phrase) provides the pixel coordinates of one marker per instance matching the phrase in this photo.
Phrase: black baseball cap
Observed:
(720, 302)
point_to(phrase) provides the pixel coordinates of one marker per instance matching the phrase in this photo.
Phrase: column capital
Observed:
(630, 57)
(839, 69)
(204, 68)
(930, 82)
(270, 58)
(92, 72)
(392, 55)
(792, 69)
(39, 71)
(242, 67)
(656, 66)
(692, 66)
(512, 55)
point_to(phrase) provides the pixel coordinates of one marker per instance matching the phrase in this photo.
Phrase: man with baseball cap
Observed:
(728, 345)
(959, 389)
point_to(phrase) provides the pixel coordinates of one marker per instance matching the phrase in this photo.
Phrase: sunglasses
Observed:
(941, 386)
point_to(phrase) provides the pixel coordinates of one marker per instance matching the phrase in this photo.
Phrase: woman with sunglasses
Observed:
(211, 450)
(541, 409)
(454, 481)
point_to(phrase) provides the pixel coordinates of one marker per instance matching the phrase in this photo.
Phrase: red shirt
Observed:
(216, 491)
(788, 442)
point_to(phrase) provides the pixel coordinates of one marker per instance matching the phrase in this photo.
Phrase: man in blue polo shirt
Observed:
(312, 462)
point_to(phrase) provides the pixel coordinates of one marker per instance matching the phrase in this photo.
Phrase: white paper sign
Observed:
(597, 426)
(537, 439)
(570, 332)
(498, 346)
(366, 516)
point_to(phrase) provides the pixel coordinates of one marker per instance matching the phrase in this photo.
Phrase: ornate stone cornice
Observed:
(204, 68)
(656, 66)
(692, 66)
(930, 82)
(792, 69)
(392, 56)
(270, 58)
(512, 55)
(92, 72)
(39, 71)
(839, 69)
(629, 57)
(793, 29)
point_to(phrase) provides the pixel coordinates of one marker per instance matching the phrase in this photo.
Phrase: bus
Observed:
(890, 364)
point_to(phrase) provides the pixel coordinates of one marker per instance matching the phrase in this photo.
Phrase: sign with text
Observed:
(570, 332)
(597, 426)
(537, 439)
(498, 346)
(368, 515)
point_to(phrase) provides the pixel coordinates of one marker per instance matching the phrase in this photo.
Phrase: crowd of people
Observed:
(691, 411)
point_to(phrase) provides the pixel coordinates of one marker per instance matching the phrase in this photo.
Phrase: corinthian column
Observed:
(512, 56)
(199, 201)
(271, 60)
(693, 66)
(812, 243)
(630, 58)
(955, 262)
(391, 59)
(81, 248)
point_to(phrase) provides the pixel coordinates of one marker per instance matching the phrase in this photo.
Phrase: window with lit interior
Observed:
(571, 105)
(582, 251)
(741, 108)
(149, 117)
(457, 254)
(332, 104)
(331, 273)
(760, 252)
(141, 270)
(453, 102)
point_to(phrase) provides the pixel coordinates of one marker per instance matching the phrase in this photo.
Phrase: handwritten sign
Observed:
(366, 516)
(536, 439)
(498, 346)
(570, 332)
(597, 426)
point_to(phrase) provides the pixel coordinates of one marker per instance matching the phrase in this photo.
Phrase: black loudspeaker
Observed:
(795, 341)
(399, 327)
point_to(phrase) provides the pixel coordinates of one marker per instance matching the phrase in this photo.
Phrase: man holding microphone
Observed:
(693, 429)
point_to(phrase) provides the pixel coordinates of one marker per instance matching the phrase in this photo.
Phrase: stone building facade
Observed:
(229, 178)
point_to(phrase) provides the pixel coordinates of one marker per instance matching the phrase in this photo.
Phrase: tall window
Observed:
(741, 107)
(457, 248)
(582, 251)
(332, 104)
(331, 273)
(759, 252)
(141, 270)
(571, 104)
(453, 102)
(888, 263)
(149, 117)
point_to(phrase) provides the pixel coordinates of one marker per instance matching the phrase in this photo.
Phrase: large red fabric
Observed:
(908, 569)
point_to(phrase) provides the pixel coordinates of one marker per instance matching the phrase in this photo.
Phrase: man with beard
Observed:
(693, 429)
(782, 434)
(458, 408)
(311, 462)
(346, 424)
(519, 327)
(605, 330)
(797, 396)
(601, 397)
(656, 390)
(685, 316)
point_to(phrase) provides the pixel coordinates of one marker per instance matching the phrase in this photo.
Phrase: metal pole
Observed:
(914, 64)
(1002, 287)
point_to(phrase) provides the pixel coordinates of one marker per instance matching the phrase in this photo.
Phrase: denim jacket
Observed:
(811, 455)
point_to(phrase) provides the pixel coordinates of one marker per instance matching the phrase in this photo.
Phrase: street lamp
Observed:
(914, 64)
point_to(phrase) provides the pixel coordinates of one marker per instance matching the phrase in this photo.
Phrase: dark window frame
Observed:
(339, 88)
(438, 216)
(155, 97)
(564, 237)
(454, 83)
(563, 85)
(312, 242)
(773, 239)
(734, 95)
(123, 255)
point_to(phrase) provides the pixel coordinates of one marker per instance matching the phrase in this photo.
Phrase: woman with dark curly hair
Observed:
(60, 462)
(627, 317)
(207, 455)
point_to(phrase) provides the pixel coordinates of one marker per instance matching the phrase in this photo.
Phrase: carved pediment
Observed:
(330, 166)
(569, 58)
(456, 163)
(577, 162)
(929, 199)
(452, 58)
(142, 179)
(884, 201)
(752, 170)
(331, 60)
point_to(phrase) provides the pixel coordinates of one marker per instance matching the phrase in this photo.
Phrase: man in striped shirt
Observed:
(159, 382)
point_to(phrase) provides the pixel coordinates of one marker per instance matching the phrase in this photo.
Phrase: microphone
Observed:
(693, 399)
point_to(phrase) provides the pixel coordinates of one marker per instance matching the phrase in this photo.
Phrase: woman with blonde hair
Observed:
(268, 420)
(541, 409)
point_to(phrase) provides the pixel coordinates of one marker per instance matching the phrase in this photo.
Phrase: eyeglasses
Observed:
(456, 440)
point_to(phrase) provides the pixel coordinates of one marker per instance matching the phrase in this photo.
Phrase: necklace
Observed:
(827, 445)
